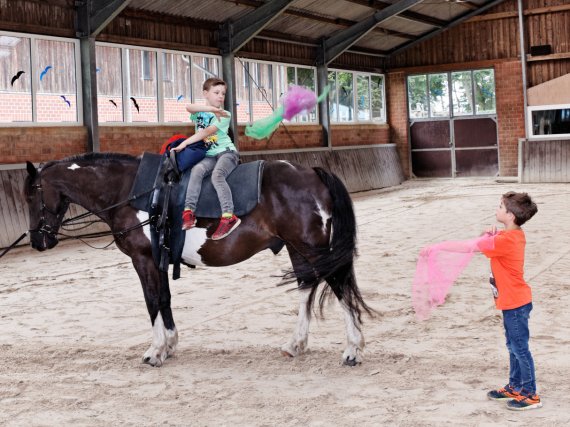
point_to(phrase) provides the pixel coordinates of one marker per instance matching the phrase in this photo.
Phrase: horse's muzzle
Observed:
(42, 241)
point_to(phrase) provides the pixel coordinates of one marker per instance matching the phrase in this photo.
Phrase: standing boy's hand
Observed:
(491, 230)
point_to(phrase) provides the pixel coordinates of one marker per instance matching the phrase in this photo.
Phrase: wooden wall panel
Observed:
(54, 18)
(494, 36)
(546, 161)
(360, 168)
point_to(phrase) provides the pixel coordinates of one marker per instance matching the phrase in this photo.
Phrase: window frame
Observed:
(531, 109)
(35, 81)
(451, 115)
(381, 120)
(159, 81)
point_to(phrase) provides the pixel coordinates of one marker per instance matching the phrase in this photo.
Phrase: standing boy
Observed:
(513, 296)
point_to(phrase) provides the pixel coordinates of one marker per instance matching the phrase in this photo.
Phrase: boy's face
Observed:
(215, 96)
(502, 215)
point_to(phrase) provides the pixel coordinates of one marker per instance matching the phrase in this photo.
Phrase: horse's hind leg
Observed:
(298, 342)
(355, 341)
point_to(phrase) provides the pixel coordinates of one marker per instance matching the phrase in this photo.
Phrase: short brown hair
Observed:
(211, 82)
(520, 205)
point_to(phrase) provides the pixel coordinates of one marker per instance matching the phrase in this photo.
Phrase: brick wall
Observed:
(41, 144)
(510, 114)
(398, 117)
(310, 136)
(137, 139)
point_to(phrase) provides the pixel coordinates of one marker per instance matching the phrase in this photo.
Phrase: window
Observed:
(146, 65)
(38, 79)
(109, 84)
(438, 95)
(484, 91)
(263, 85)
(462, 93)
(141, 96)
(15, 80)
(129, 79)
(356, 97)
(469, 92)
(549, 121)
(177, 90)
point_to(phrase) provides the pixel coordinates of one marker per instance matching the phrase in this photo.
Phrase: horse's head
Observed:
(46, 206)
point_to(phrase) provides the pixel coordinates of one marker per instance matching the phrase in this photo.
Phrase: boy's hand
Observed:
(220, 112)
(491, 230)
(180, 147)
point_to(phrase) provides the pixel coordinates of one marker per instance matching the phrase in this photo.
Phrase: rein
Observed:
(43, 227)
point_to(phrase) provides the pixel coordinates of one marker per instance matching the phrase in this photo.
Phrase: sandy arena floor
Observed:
(74, 328)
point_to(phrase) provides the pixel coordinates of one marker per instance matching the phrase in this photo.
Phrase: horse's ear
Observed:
(32, 171)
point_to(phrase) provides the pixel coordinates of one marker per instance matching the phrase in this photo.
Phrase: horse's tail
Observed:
(336, 264)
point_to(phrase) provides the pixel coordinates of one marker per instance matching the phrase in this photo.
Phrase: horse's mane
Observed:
(87, 157)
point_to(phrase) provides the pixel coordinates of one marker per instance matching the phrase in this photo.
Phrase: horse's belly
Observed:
(195, 239)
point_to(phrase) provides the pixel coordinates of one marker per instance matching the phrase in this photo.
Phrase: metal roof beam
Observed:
(233, 35)
(412, 16)
(95, 15)
(342, 40)
(452, 24)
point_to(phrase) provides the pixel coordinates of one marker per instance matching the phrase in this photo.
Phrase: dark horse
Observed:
(307, 210)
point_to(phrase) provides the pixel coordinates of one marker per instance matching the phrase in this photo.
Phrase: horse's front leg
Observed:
(164, 334)
(298, 342)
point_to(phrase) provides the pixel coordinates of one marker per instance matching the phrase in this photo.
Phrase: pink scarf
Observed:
(438, 267)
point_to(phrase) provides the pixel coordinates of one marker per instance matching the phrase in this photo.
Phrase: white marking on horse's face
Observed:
(325, 216)
(195, 239)
(74, 166)
(143, 216)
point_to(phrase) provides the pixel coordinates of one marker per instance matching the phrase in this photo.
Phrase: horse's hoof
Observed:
(350, 362)
(152, 361)
(286, 353)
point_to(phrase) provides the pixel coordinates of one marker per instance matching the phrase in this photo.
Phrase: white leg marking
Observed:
(163, 345)
(195, 239)
(298, 342)
(355, 341)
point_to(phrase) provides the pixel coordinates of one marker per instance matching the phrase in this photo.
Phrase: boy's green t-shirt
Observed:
(219, 141)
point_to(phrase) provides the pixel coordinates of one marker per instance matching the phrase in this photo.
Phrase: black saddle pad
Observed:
(244, 181)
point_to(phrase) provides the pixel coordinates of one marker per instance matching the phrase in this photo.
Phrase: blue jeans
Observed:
(521, 373)
(220, 167)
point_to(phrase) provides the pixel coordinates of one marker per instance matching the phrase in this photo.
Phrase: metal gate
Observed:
(456, 147)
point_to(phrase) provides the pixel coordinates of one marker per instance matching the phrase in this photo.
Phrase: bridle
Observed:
(43, 226)
(44, 229)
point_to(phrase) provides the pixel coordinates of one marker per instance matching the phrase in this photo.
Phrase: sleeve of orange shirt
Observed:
(502, 245)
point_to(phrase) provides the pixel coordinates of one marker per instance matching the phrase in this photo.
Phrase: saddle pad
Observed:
(244, 181)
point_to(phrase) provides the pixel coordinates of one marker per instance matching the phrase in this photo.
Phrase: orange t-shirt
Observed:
(507, 265)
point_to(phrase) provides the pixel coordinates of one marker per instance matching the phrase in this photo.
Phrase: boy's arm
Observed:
(199, 108)
(198, 136)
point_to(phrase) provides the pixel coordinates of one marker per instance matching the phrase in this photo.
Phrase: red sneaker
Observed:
(227, 225)
(188, 219)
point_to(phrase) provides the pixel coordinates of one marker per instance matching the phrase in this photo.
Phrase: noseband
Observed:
(43, 227)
